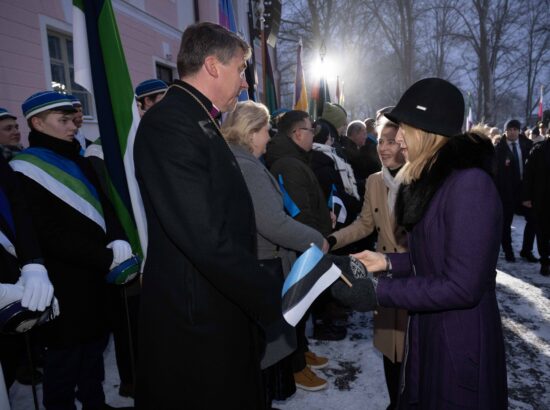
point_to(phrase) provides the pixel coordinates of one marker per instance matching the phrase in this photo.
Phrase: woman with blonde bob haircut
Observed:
(246, 129)
(450, 207)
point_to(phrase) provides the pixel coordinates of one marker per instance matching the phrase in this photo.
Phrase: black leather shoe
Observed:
(528, 256)
(509, 257)
(545, 269)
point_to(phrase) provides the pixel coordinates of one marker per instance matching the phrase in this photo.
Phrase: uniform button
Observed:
(383, 248)
(395, 249)
(375, 209)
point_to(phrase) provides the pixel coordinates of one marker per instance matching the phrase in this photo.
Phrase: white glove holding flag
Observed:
(38, 290)
(10, 293)
(121, 252)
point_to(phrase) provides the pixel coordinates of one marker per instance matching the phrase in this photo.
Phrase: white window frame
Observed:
(48, 26)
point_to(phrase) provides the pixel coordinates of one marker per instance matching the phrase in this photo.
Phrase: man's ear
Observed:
(36, 123)
(211, 65)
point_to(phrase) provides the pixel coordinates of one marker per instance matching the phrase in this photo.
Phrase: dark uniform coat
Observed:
(203, 295)
(74, 250)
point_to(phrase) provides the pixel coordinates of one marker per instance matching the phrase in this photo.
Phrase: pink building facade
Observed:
(36, 45)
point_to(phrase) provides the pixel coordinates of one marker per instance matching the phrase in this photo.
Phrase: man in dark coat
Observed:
(19, 248)
(288, 156)
(203, 295)
(536, 195)
(511, 153)
(81, 239)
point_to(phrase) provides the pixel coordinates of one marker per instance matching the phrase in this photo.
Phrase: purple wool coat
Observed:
(455, 350)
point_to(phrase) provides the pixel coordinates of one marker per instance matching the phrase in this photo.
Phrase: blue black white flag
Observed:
(310, 275)
(290, 206)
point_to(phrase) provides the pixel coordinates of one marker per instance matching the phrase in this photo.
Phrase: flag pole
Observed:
(260, 10)
(346, 280)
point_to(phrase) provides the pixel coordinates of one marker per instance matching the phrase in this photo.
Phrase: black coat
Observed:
(536, 183)
(285, 158)
(507, 180)
(324, 169)
(24, 238)
(203, 295)
(74, 250)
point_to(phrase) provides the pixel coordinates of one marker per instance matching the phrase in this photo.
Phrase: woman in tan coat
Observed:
(377, 214)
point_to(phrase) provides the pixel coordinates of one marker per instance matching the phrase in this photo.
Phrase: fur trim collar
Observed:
(464, 151)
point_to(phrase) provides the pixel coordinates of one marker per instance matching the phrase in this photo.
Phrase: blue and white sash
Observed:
(63, 178)
(5, 214)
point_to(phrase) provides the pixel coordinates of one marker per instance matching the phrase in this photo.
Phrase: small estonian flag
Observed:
(310, 275)
(290, 206)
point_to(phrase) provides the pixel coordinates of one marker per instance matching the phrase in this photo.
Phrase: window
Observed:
(61, 65)
(165, 73)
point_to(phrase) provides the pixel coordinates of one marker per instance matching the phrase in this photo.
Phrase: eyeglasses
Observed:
(312, 130)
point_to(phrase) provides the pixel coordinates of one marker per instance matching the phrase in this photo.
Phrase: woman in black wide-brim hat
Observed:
(451, 210)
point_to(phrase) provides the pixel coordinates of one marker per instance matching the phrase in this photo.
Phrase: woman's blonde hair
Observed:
(423, 147)
(247, 118)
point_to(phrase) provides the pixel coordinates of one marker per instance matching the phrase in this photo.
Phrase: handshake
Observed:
(361, 296)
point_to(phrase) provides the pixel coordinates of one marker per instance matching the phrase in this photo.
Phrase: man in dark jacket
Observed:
(511, 154)
(536, 195)
(81, 240)
(288, 157)
(21, 265)
(203, 293)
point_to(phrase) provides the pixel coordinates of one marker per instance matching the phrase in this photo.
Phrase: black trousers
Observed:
(529, 231)
(392, 371)
(298, 356)
(124, 330)
(12, 350)
(76, 366)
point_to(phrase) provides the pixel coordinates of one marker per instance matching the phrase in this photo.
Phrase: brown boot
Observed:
(315, 362)
(307, 380)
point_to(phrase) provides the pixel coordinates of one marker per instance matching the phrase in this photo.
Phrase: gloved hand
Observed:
(38, 290)
(362, 295)
(10, 293)
(121, 252)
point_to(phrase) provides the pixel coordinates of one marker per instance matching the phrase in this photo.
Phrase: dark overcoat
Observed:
(455, 354)
(203, 296)
(74, 251)
(508, 182)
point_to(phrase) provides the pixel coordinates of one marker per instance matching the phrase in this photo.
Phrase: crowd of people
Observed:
(233, 195)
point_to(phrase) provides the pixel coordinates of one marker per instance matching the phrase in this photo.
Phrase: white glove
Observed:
(121, 251)
(38, 290)
(10, 293)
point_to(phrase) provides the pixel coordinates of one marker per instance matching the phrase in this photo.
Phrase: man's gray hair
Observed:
(354, 127)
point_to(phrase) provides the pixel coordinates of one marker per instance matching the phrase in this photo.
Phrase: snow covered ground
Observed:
(355, 373)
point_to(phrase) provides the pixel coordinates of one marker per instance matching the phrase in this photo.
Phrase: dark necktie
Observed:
(516, 157)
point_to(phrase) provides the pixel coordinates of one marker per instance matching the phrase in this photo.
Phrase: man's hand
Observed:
(37, 288)
(373, 261)
(121, 252)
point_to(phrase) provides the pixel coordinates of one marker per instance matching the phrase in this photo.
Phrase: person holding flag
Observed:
(279, 238)
(204, 300)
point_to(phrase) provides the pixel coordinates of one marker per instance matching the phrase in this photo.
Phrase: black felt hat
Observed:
(433, 105)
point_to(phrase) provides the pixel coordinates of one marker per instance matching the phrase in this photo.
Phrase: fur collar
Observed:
(465, 151)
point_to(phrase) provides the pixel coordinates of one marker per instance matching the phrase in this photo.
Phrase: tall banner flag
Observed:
(269, 86)
(310, 275)
(338, 89)
(300, 94)
(319, 95)
(118, 118)
(470, 119)
(227, 20)
(541, 108)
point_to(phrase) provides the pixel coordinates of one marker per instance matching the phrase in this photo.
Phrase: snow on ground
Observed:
(355, 373)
